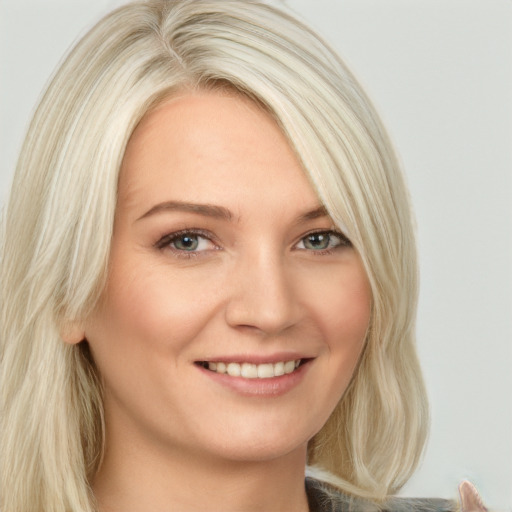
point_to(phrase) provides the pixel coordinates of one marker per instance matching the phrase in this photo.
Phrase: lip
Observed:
(257, 358)
(270, 387)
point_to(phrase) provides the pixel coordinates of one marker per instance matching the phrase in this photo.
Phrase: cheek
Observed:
(153, 308)
(343, 308)
(344, 318)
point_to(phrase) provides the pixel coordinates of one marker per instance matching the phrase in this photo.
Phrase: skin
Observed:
(254, 286)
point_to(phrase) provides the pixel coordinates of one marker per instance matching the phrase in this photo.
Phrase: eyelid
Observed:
(165, 241)
(344, 240)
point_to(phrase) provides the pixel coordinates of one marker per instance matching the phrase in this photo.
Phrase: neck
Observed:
(132, 479)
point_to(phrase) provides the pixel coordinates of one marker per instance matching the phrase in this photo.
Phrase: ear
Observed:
(72, 332)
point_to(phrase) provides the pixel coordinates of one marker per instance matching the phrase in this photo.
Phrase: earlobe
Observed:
(72, 332)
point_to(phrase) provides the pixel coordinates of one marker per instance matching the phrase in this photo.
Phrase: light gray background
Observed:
(440, 72)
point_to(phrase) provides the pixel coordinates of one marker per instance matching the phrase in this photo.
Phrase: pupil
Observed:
(187, 243)
(318, 241)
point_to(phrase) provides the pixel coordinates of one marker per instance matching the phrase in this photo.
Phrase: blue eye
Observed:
(323, 241)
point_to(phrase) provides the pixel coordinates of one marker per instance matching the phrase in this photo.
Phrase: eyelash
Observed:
(166, 242)
(343, 241)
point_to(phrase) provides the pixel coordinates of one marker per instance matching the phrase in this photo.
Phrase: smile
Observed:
(253, 371)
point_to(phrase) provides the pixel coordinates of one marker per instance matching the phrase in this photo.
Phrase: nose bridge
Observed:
(262, 292)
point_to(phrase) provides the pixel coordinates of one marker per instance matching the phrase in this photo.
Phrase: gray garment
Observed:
(323, 498)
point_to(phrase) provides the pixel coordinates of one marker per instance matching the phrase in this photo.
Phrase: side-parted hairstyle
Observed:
(58, 225)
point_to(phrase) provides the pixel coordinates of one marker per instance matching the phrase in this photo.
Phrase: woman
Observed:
(208, 277)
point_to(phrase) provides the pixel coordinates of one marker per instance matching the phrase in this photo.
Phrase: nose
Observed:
(263, 294)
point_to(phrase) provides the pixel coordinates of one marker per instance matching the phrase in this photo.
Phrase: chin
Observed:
(260, 443)
(256, 451)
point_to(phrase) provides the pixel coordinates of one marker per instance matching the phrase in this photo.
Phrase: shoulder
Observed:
(324, 498)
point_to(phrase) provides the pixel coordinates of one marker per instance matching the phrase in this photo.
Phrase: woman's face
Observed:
(235, 312)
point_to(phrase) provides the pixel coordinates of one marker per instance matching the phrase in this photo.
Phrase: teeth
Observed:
(233, 370)
(279, 369)
(249, 371)
(265, 371)
(255, 371)
(289, 366)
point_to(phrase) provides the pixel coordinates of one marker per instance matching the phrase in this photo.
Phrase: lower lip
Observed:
(273, 386)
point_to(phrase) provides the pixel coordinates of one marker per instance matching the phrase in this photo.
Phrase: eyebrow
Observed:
(321, 211)
(219, 212)
(207, 210)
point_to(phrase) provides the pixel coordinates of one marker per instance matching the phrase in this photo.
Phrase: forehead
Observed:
(204, 145)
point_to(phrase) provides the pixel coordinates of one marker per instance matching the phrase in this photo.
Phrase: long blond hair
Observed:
(58, 227)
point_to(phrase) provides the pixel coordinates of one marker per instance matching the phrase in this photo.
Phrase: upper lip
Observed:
(257, 358)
